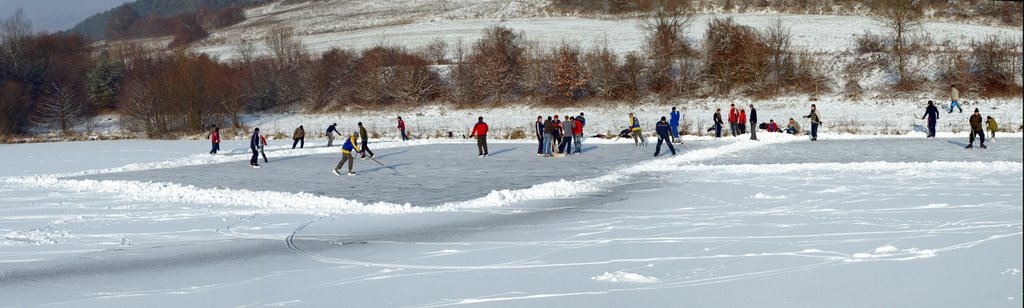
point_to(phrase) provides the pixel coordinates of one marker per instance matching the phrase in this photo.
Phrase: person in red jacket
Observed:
(480, 132)
(733, 117)
(401, 128)
(215, 139)
(263, 144)
(577, 133)
(742, 121)
(772, 126)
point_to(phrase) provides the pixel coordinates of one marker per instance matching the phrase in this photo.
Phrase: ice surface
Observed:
(863, 222)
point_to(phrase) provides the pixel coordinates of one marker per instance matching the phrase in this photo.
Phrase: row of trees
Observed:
(125, 23)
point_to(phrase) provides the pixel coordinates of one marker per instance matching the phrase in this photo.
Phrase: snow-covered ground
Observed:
(851, 221)
(821, 33)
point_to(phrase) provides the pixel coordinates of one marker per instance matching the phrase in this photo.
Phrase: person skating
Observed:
(815, 121)
(717, 122)
(254, 144)
(954, 97)
(299, 137)
(549, 135)
(480, 132)
(932, 113)
(346, 154)
(673, 124)
(538, 129)
(215, 140)
(567, 127)
(742, 121)
(401, 129)
(263, 146)
(753, 123)
(364, 136)
(577, 134)
(976, 129)
(733, 116)
(992, 127)
(638, 135)
(663, 128)
(331, 130)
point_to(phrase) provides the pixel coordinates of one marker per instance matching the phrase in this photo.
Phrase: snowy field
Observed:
(848, 221)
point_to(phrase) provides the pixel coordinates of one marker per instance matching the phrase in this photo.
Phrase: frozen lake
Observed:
(786, 222)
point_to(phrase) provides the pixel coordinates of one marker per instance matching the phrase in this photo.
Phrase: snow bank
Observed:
(620, 276)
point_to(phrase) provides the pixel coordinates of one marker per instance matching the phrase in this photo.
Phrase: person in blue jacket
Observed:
(932, 113)
(331, 130)
(662, 128)
(351, 145)
(254, 145)
(673, 123)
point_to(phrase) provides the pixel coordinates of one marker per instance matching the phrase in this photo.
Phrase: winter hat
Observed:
(556, 116)
(257, 129)
(480, 118)
(976, 110)
(663, 118)
(360, 124)
(673, 108)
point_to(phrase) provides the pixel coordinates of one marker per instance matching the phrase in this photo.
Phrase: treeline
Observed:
(52, 80)
(160, 18)
(1007, 12)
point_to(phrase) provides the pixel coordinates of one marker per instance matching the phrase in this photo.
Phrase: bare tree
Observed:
(60, 107)
(246, 51)
(902, 17)
(665, 43)
(436, 50)
(568, 78)
(777, 38)
(600, 65)
(283, 44)
(15, 32)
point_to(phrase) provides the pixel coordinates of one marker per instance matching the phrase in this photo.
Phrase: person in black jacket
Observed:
(364, 136)
(718, 123)
(753, 123)
(549, 136)
(254, 144)
(663, 129)
(932, 113)
(538, 128)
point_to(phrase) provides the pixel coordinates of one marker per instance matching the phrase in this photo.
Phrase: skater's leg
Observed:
(302, 142)
(579, 142)
(264, 153)
(753, 131)
(636, 138)
(540, 145)
(330, 139)
(367, 148)
(483, 140)
(295, 142)
(675, 132)
(255, 157)
(671, 148)
(970, 141)
(657, 148)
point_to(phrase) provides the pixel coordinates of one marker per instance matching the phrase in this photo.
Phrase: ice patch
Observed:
(39, 236)
(934, 206)
(620, 276)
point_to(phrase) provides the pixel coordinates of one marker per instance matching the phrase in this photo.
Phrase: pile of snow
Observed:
(620, 276)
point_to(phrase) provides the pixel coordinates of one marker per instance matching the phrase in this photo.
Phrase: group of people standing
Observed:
(555, 136)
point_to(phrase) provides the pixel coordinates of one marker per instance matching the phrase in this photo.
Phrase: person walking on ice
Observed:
(331, 130)
(263, 146)
(992, 127)
(815, 121)
(634, 127)
(346, 154)
(215, 140)
(364, 135)
(954, 97)
(976, 129)
(254, 144)
(577, 133)
(299, 137)
(932, 113)
(662, 128)
(673, 124)
(480, 132)
(733, 116)
(753, 123)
